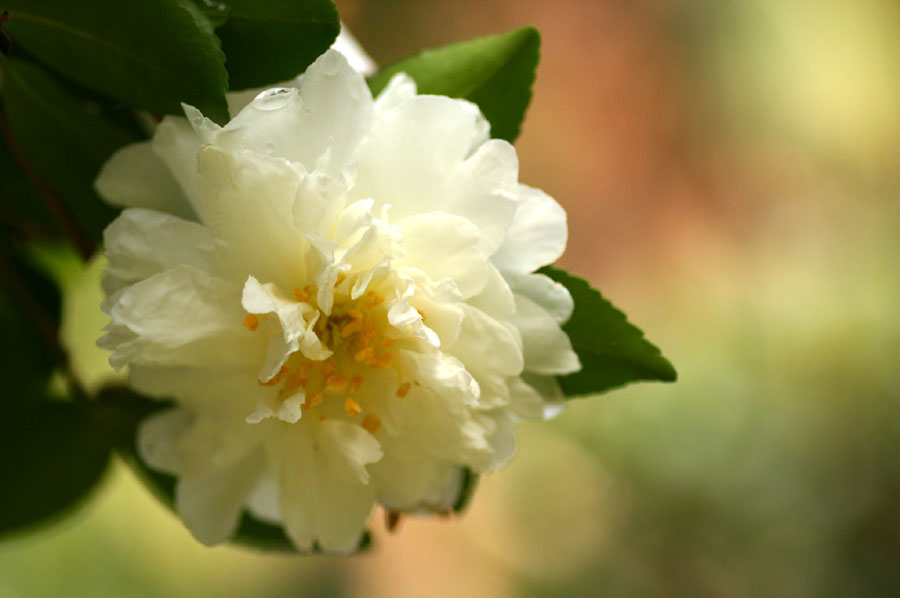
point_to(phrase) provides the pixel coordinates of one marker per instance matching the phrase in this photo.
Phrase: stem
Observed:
(57, 207)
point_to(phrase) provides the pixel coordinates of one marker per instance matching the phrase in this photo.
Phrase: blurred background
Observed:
(731, 170)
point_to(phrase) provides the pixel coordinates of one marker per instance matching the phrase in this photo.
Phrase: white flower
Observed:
(338, 293)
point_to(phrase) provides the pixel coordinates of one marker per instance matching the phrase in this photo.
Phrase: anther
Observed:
(301, 296)
(403, 389)
(251, 321)
(371, 423)
(352, 407)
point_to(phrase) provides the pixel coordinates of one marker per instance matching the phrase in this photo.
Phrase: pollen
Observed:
(341, 277)
(373, 299)
(276, 378)
(251, 321)
(352, 407)
(366, 355)
(403, 389)
(355, 382)
(313, 399)
(301, 296)
(336, 384)
(371, 423)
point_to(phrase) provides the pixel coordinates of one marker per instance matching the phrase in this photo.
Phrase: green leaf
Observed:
(495, 72)
(613, 352)
(269, 41)
(50, 460)
(64, 139)
(21, 208)
(469, 484)
(122, 411)
(152, 54)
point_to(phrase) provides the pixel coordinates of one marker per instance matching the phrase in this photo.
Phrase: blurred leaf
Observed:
(152, 54)
(21, 208)
(63, 138)
(495, 72)
(29, 316)
(469, 484)
(613, 352)
(50, 459)
(122, 411)
(267, 41)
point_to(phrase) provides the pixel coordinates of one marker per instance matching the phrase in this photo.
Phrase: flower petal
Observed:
(544, 291)
(537, 236)
(134, 177)
(547, 349)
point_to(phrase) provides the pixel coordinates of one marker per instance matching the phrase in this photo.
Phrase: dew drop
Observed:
(274, 99)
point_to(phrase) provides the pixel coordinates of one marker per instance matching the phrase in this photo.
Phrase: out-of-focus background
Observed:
(731, 170)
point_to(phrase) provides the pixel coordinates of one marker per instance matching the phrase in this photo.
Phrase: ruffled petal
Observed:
(134, 177)
(537, 236)
(546, 348)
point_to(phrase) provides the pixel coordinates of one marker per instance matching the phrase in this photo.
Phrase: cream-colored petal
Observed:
(322, 497)
(412, 483)
(537, 236)
(488, 343)
(327, 115)
(400, 88)
(141, 243)
(247, 200)
(445, 246)
(547, 349)
(134, 177)
(211, 501)
(182, 316)
(412, 152)
(544, 291)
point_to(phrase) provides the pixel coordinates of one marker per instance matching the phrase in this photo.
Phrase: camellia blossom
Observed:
(338, 293)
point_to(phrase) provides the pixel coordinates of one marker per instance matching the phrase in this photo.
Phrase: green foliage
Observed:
(63, 137)
(268, 41)
(469, 484)
(494, 72)
(152, 54)
(50, 459)
(613, 352)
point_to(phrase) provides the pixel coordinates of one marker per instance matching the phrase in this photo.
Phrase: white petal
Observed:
(537, 236)
(329, 114)
(488, 343)
(411, 483)
(157, 437)
(141, 243)
(546, 347)
(182, 316)
(135, 177)
(413, 151)
(546, 292)
(400, 88)
(322, 497)
(347, 45)
(290, 330)
(245, 197)
(211, 502)
(229, 393)
(443, 245)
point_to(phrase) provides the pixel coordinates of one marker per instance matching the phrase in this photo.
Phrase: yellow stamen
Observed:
(336, 384)
(356, 325)
(328, 366)
(355, 383)
(365, 355)
(313, 399)
(403, 389)
(341, 277)
(352, 407)
(251, 321)
(383, 362)
(301, 296)
(373, 299)
(371, 423)
(387, 342)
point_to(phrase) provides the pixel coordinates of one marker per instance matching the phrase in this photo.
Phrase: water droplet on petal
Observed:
(274, 99)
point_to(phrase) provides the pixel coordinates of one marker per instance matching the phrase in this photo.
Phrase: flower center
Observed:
(360, 339)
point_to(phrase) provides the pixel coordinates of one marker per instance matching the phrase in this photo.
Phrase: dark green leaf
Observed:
(122, 411)
(268, 41)
(613, 352)
(495, 72)
(470, 482)
(21, 208)
(63, 138)
(152, 54)
(50, 459)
